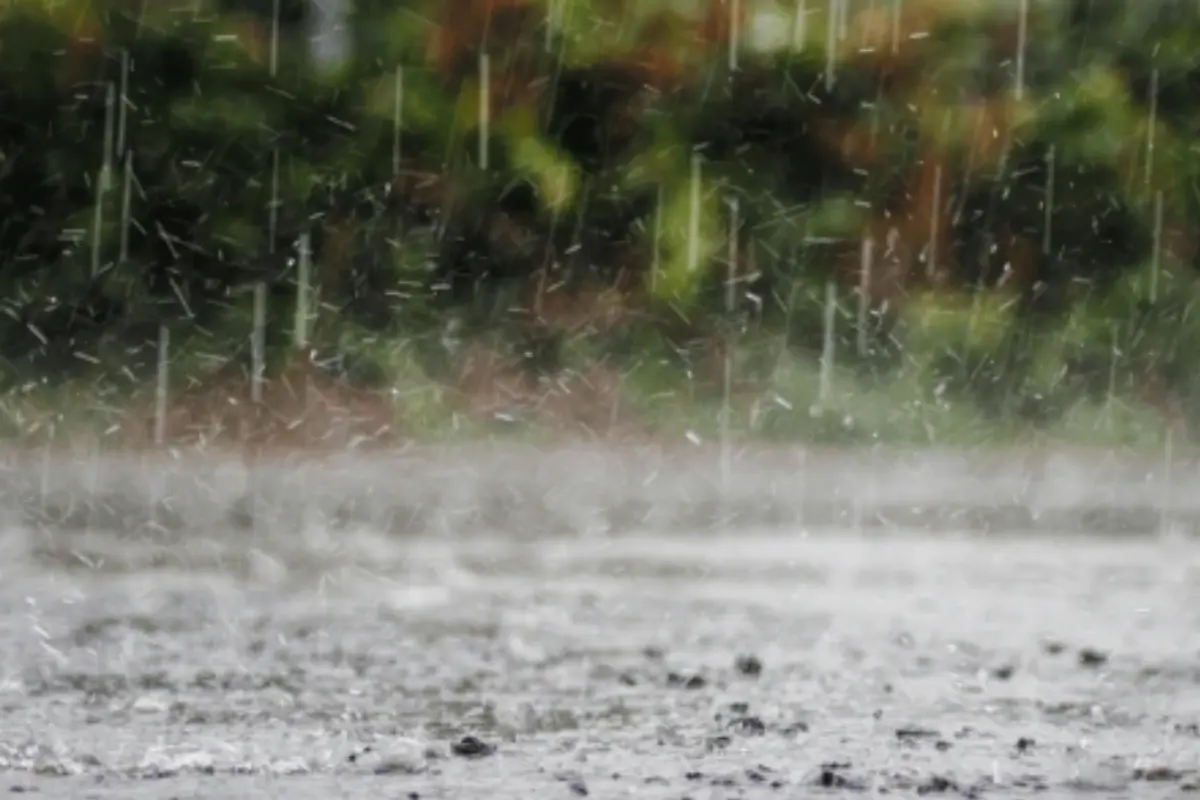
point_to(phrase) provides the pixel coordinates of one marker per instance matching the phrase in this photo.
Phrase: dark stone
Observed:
(752, 726)
(472, 747)
(749, 665)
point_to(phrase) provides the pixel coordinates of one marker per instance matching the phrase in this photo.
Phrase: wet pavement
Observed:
(318, 659)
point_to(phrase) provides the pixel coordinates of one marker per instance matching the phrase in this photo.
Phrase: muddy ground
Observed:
(580, 624)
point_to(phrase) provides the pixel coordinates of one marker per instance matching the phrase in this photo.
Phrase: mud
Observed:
(302, 656)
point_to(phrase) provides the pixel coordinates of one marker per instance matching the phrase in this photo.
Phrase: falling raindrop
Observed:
(123, 105)
(1113, 363)
(161, 387)
(896, 8)
(693, 249)
(831, 29)
(1151, 124)
(552, 10)
(397, 119)
(484, 108)
(104, 181)
(656, 257)
(828, 345)
(934, 213)
(258, 342)
(110, 102)
(1022, 28)
(1049, 210)
(44, 477)
(259, 323)
(1164, 521)
(864, 293)
(126, 206)
(1156, 260)
(303, 270)
(275, 14)
(735, 33)
(800, 26)
(730, 306)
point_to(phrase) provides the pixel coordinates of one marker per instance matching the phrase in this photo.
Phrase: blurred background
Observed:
(337, 223)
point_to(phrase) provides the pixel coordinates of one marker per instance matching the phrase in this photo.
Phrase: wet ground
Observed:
(329, 658)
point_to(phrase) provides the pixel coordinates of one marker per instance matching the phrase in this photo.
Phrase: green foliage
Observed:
(163, 161)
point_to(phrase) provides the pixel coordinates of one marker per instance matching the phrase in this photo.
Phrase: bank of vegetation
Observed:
(921, 221)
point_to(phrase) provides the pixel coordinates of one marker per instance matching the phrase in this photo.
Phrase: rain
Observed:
(570, 398)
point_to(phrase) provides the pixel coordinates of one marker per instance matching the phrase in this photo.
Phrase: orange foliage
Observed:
(892, 48)
(468, 26)
(656, 54)
(301, 408)
(590, 310)
(718, 22)
(84, 54)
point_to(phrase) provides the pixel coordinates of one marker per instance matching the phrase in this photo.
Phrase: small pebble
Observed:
(748, 665)
(472, 747)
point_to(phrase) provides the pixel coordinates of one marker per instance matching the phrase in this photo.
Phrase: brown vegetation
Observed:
(302, 408)
(491, 387)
